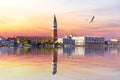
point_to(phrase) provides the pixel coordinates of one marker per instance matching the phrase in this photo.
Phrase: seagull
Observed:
(92, 20)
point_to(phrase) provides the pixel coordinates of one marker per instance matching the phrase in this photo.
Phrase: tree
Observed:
(26, 41)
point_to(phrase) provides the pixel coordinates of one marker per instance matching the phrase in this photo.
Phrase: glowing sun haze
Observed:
(35, 17)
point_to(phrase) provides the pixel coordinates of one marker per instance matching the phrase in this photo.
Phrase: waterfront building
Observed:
(89, 41)
(66, 41)
(11, 42)
(7, 42)
(3, 42)
(1, 38)
(114, 42)
(110, 42)
(117, 40)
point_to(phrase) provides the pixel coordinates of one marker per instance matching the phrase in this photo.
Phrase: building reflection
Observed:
(114, 50)
(83, 51)
(67, 51)
(45, 53)
(31, 51)
(94, 51)
(21, 51)
(54, 61)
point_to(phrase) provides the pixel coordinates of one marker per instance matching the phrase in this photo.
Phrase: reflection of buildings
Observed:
(90, 51)
(82, 51)
(68, 50)
(114, 50)
(21, 51)
(94, 51)
(54, 62)
(6, 50)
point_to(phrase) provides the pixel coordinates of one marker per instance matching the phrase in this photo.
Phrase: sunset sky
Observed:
(35, 17)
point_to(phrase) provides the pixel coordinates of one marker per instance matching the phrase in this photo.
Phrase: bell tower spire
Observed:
(55, 21)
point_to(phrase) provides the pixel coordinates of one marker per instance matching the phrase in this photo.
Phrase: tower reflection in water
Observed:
(54, 61)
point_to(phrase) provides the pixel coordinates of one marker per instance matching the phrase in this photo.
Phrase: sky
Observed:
(35, 17)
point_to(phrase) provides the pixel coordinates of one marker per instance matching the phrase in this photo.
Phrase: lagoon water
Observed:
(69, 63)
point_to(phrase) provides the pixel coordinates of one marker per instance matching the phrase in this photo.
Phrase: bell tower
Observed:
(54, 28)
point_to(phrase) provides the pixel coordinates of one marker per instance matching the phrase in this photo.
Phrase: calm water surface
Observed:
(70, 63)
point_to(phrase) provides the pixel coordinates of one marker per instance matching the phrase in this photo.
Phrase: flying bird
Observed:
(92, 20)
